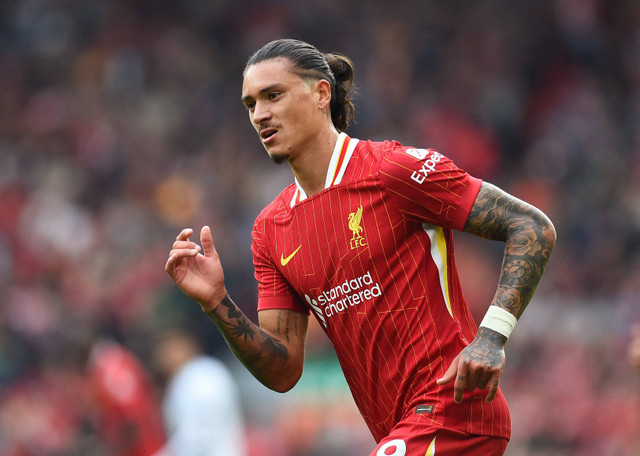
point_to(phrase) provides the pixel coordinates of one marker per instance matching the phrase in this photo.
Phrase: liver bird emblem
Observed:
(355, 221)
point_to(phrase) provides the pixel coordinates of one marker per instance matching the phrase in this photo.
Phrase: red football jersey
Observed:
(371, 256)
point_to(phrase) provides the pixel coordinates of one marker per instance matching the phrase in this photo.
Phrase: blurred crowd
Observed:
(120, 124)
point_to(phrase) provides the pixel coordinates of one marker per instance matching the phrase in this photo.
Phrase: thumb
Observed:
(207, 242)
(450, 374)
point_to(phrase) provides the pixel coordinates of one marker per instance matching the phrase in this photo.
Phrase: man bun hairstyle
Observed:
(343, 110)
(309, 63)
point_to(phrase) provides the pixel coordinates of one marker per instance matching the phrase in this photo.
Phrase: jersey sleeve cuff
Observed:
(286, 302)
(462, 214)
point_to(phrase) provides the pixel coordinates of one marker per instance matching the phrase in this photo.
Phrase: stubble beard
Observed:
(279, 159)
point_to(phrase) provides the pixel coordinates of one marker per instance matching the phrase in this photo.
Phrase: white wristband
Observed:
(499, 320)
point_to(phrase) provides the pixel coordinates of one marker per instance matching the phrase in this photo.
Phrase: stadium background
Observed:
(120, 123)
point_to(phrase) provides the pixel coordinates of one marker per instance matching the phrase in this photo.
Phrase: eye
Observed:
(274, 95)
(250, 105)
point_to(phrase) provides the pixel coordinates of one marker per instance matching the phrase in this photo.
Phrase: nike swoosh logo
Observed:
(284, 261)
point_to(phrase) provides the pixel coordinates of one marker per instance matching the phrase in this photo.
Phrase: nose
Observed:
(260, 113)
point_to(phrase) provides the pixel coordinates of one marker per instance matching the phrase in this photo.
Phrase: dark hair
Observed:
(309, 63)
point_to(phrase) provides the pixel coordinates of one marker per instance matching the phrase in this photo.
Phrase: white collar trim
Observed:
(340, 157)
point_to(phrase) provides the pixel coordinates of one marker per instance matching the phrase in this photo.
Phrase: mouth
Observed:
(266, 134)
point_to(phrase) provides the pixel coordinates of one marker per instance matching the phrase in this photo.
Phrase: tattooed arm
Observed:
(529, 237)
(273, 351)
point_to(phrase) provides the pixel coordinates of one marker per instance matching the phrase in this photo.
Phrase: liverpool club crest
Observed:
(355, 225)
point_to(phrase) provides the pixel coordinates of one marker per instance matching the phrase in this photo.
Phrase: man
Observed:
(363, 240)
(201, 407)
(128, 412)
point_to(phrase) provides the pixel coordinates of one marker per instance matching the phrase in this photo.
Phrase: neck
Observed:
(310, 167)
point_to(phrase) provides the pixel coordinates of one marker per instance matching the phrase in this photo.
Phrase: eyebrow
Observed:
(267, 89)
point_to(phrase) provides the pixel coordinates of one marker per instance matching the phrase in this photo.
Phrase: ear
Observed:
(323, 92)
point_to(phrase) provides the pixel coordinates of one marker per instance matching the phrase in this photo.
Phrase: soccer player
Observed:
(128, 411)
(201, 406)
(363, 241)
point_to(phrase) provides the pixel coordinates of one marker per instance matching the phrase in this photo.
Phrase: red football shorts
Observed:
(405, 441)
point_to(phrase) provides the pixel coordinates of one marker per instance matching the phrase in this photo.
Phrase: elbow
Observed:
(548, 232)
(281, 378)
(284, 387)
(283, 383)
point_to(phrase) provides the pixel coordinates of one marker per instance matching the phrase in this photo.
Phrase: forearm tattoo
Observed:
(253, 346)
(529, 238)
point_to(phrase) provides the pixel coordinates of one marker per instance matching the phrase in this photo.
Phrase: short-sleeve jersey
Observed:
(371, 257)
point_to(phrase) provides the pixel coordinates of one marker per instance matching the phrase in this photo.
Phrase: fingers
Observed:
(493, 387)
(182, 247)
(483, 382)
(184, 234)
(168, 266)
(185, 248)
(458, 372)
(206, 240)
(176, 255)
(461, 383)
(469, 376)
(450, 374)
(480, 377)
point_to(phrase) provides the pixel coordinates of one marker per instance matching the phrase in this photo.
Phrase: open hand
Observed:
(199, 276)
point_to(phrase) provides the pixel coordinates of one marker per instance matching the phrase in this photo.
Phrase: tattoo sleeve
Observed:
(529, 237)
(261, 353)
